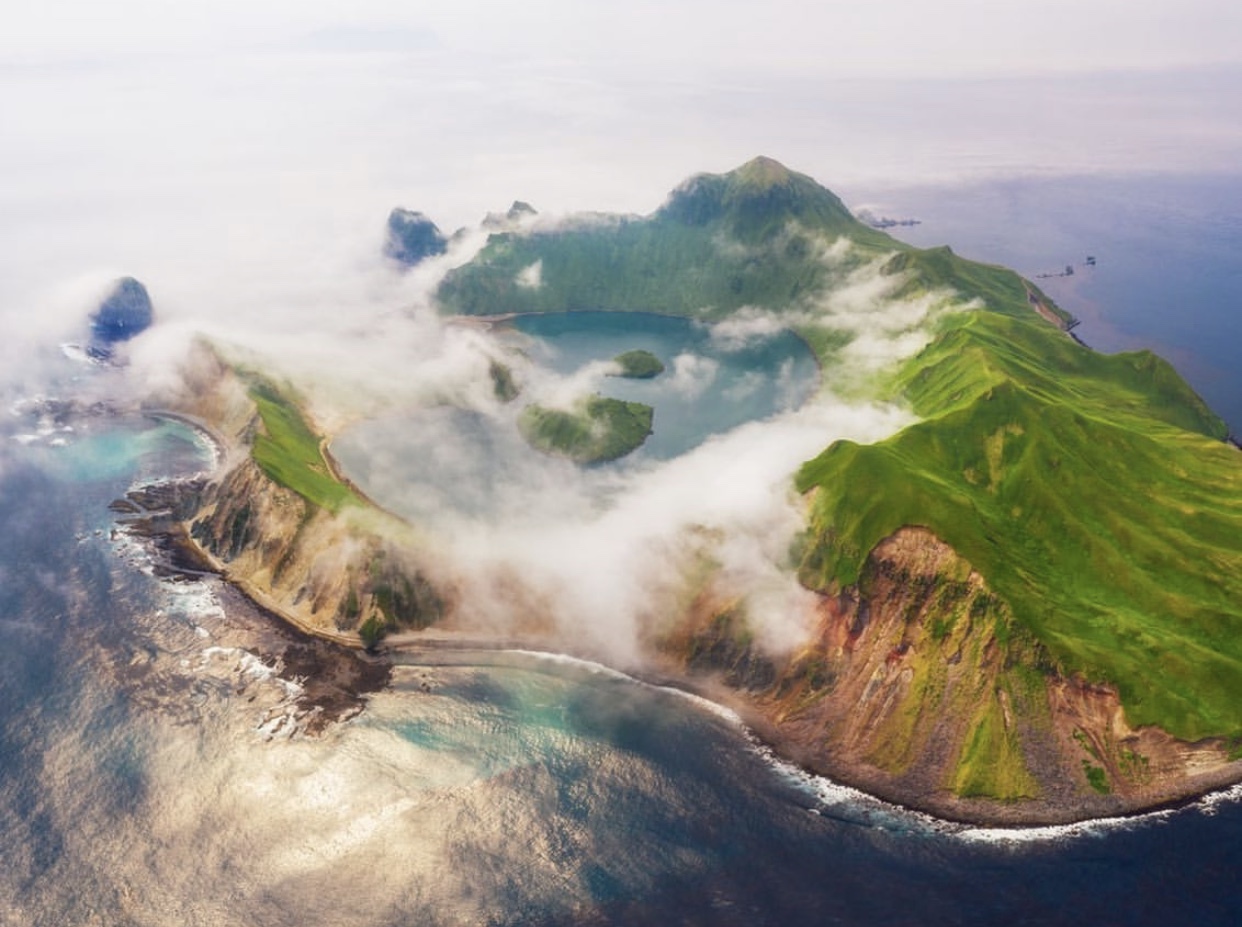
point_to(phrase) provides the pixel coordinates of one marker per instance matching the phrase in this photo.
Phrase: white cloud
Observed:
(241, 171)
(692, 374)
(531, 277)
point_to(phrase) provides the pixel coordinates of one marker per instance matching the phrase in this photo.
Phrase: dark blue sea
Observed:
(1168, 259)
(163, 760)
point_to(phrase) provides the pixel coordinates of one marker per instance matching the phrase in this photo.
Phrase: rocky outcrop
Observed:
(919, 686)
(331, 573)
(517, 214)
(351, 575)
(123, 313)
(412, 237)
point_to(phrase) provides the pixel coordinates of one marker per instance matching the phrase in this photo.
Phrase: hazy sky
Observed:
(893, 37)
(230, 151)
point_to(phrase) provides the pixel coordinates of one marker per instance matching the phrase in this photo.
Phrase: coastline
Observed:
(913, 792)
(213, 438)
(940, 807)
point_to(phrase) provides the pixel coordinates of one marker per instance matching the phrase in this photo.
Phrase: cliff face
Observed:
(919, 686)
(351, 574)
(328, 572)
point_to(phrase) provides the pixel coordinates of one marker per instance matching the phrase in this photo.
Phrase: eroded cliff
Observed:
(346, 570)
(919, 686)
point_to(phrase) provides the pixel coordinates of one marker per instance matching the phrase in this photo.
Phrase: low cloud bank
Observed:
(604, 556)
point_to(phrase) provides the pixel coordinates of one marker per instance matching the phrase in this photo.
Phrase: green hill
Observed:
(721, 241)
(1093, 494)
(754, 237)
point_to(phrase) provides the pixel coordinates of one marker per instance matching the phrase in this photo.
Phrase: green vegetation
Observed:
(393, 594)
(1097, 778)
(753, 237)
(372, 631)
(599, 430)
(288, 451)
(504, 388)
(991, 763)
(639, 365)
(997, 288)
(1092, 492)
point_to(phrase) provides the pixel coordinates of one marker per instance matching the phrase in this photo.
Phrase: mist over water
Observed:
(156, 760)
(151, 772)
(435, 465)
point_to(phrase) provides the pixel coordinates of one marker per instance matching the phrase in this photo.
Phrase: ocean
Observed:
(163, 760)
(1167, 249)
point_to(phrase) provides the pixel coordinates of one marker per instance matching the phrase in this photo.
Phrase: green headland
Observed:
(1031, 594)
(1093, 495)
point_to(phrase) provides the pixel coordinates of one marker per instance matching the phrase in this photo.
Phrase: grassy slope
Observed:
(1092, 493)
(288, 451)
(748, 238)
(639, 365)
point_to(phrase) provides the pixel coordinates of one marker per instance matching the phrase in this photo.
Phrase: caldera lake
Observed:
(427, 462)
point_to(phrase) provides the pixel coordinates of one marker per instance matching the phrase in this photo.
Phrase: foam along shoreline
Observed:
(833, 798)
(206, 434)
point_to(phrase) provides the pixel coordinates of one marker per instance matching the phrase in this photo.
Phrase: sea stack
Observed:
(412, 237)
(124, 312)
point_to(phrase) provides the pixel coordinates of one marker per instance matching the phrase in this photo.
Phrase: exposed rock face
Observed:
(918, 686)
(329, 573)
(351, 575)
(412, 237)
(518, 213)
(124, 312)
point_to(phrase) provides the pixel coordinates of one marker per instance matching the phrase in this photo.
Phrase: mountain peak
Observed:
(762, 173)
(759, 200)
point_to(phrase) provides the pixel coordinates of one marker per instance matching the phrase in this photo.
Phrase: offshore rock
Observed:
(124, 312)
(412, 237)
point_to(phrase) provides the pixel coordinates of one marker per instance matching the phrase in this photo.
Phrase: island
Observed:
(125, 312)
(638, 365)
(596, 430)
(1027, 602)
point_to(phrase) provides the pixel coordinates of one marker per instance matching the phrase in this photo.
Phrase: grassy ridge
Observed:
(1091, 492)
(998, 288)
(288, 451)
(748, 238)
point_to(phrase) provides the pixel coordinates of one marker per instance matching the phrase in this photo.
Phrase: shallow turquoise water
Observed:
(139, 783)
